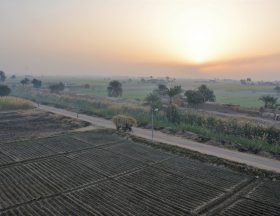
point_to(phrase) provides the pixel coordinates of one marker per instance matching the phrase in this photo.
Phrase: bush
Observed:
(12, 103)
(56, 88)
(4, 90)
(172, 113)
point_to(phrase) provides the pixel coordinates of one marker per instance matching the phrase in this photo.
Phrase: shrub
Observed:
(4, 90)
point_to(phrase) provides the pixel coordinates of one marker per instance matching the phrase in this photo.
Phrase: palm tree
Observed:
(172, 92)
(269, 101)
(114, 89)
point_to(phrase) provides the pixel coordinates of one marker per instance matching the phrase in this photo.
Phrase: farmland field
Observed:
(229, 92)
(101, 173)
(33, 123)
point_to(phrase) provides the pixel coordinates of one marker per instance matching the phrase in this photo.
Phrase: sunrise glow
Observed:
(100, 37)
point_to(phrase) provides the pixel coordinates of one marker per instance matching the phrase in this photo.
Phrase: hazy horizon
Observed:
(188, 39)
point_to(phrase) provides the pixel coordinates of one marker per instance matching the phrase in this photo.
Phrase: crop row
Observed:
(181, 192)
(37, 148)
(4, 159)
(112, 198)
(267, 192)
(108, 163)
(30, 181)
(213, 176)
(97, 138)
(245, 207)
(25, 150)
(263, 199)
(50, 207)
(139, 152)
(105, 198)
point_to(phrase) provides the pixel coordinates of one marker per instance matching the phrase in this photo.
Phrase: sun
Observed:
(199, 42)
(199, 37)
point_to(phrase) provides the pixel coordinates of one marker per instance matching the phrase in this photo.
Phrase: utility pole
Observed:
(153, 110)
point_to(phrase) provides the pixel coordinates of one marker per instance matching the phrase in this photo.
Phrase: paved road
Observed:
(249, 159)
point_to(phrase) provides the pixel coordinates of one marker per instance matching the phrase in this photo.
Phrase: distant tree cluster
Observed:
(57, 88)
(25, 81)
(247, 81)
(4, 90)
(193, 97)
(36, 83)
(201, 95)
(154, 100)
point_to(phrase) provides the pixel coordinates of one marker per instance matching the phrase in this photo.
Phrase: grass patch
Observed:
(254, 137)
(14, 103)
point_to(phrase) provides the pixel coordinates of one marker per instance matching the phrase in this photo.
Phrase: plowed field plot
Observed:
(59, 205)
(33, 180)
(100, 173)
(183, 193)
(33, 123)
(106, 162)
(4, 159)
(113, 198)
(217, 177)
(264, 199)
(139, 152)
(98, 139)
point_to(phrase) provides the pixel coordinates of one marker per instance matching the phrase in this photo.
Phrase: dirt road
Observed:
(249, 159)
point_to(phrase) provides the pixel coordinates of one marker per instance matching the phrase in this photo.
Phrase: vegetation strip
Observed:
(207, 158)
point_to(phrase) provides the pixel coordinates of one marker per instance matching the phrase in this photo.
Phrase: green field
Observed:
(229, 92)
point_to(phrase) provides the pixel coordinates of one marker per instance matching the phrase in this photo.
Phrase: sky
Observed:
(181, 38)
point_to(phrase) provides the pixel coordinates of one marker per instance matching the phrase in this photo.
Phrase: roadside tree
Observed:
(153, 100)
(114, 89)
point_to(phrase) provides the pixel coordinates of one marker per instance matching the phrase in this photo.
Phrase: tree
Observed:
(4, 90)
(114, 89)
(172, 113)
(153, 100)
(56, 88)
(243, 82)
(25, 81)
(36, 83)
(172, 92)
(13, 76)
(207, 94)
(2, 76)
(194, 97)
(269, 101)
(277, 89)
(161, 90)
(86, 86)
